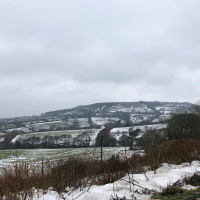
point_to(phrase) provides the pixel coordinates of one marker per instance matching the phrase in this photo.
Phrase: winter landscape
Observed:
(55, 155)
(99, 100)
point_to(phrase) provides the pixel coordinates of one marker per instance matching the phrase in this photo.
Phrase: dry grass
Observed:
(173, 152)
(21, 181)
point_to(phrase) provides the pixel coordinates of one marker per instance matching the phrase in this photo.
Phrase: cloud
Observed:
(62, 54)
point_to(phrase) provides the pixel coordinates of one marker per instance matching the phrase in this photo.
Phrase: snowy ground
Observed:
(105, 120)
(8, 157)
(163, 176)
(74, 133)
(116, 132)
(2, 139)
(142, 128)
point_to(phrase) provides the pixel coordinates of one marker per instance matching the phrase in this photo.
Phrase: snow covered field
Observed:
(104, 120)
(8, 157)
(161, 178)
(142, 128)
(74, 133)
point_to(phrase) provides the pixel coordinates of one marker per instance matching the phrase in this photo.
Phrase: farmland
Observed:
(73, 133)
(37, 155)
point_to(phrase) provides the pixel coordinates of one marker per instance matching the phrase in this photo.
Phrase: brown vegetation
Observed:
(21, 181)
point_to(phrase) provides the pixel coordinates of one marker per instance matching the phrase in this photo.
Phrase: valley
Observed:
(79, 126)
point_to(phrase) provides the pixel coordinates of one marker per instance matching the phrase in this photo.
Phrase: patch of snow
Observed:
(15, 139)
(44, 123)
(24, 129)
(165, 175)
(142, 128)
(104, 120)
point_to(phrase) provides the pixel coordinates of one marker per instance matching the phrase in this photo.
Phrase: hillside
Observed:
(119, 114)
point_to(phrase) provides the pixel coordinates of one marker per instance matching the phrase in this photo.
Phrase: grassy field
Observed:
(47, 125)
(36, 155)
(73, 133)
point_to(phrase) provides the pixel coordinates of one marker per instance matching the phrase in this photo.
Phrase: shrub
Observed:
(152, 137)
(193, 180)
(135, 133)
(184, 126)
(175, 193)
(105, 139)
(21, 180)
(174, 152)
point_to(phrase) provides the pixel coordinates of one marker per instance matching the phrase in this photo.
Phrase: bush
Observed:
(193, 180)
(173, 152)
(21, 180)
(135, 133)
(125, 140)
(184, 126)
(175, 193)
(152, 137)
(105, 138)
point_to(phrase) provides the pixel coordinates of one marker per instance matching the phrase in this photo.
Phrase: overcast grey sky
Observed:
(60, 54)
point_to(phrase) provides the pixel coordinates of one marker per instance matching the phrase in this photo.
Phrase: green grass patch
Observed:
(177, 193)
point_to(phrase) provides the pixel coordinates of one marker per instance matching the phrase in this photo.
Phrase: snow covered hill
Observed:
(118, 114)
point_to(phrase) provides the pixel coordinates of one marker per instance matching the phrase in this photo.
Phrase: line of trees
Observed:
(62, 141)
(179, 126)
(104, 138)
